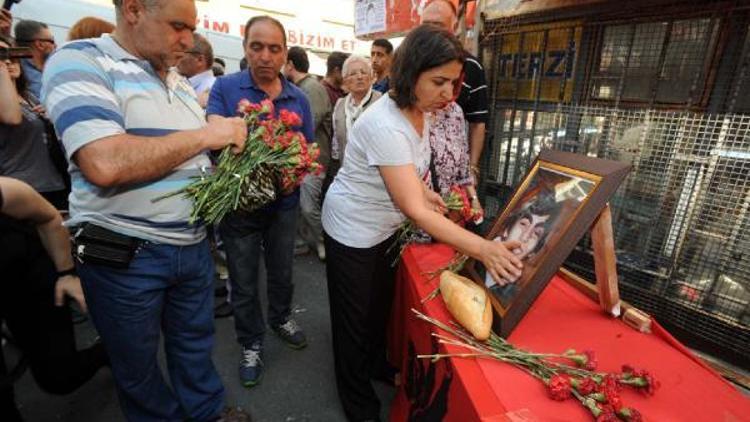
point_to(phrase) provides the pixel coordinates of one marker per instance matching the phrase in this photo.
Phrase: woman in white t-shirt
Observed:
(380, 184)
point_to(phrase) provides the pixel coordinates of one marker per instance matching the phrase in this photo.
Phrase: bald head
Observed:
(441, 13)
(147, 4)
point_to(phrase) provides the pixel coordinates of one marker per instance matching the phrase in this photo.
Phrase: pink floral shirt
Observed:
(450, 148)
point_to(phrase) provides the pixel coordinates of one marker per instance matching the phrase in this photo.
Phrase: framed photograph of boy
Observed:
(553, 207)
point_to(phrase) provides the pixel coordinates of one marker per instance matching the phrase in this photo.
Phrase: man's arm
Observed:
(94, 133)
(476, 144)
(320, 105)
(476, 110)
(308, 128)
(126, 159)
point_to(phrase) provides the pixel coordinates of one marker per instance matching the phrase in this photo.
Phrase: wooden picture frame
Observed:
(553, 207)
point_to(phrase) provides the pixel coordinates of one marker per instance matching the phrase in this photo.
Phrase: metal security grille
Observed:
(665, 62)
(666, 89)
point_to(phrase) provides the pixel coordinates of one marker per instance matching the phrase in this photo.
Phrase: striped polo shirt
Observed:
(93, 89)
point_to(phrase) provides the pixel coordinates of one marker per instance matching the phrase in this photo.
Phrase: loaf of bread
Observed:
(468, 303)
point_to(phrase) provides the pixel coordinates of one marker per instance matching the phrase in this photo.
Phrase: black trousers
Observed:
(43, 331)
(360, 293)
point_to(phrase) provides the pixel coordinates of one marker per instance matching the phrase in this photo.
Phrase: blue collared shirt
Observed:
(382, 85)
(227, 92)
(202, 82)
(33, 77)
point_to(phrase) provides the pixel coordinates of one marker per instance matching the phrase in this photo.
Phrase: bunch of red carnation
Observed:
(600, 392)
(299, 158)
(275, 160)
(568, 375)
(457, 200)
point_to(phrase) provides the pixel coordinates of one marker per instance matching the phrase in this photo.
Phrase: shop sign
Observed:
(324, 30)
(525, 61)
(494, 9)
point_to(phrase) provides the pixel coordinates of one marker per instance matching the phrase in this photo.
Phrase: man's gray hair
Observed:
(355, 59)
(148, 4)
(202, 46)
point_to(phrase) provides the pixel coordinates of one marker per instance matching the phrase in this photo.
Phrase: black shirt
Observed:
(473, 96)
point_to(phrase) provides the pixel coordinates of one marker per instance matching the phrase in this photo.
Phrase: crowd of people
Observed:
(91, 131)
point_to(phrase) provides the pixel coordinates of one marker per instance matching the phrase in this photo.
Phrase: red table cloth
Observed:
(466, 389)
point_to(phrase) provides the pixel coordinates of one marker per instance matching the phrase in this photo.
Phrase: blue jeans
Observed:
(270, 233)
(167, 288)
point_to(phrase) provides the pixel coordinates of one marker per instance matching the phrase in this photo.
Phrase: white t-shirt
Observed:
(358, 210)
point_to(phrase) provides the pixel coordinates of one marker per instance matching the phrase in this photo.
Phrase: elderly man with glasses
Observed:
(197, 66)
(37, 36)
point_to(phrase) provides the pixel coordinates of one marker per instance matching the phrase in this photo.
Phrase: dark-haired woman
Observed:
(380, 184)
(24, 153)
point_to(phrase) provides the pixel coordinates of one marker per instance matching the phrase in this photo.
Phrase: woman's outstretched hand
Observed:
(500, 262)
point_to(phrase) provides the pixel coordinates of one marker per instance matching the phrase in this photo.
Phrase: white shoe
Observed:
(321, 251)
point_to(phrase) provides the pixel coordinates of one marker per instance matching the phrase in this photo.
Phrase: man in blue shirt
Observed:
(270, 230)
(381, 52)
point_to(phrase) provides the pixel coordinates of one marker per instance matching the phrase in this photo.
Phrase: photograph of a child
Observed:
(537, 220)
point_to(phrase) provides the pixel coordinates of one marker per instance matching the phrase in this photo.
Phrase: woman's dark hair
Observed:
(21, 83)
(426, 47)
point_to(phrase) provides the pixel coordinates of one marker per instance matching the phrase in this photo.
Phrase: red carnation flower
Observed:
(591, 361)
(608, 417)
(242, 106)
(652, 384)
(289, 118)
(629, 414)
(613, 398)
(266, 106)
(585, 360)
(585, 386)
(559, 387)
(641, 379)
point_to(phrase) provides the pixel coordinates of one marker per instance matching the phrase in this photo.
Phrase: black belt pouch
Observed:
(96, 245)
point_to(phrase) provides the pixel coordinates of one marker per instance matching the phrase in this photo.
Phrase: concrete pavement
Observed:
(298, 386)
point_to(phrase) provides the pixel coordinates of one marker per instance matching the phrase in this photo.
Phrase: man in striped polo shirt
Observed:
(133, 131)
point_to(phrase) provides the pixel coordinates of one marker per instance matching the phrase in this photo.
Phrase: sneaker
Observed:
(251, 365)
(291, 334)
(321, 249)
(223, 310)
(234, 414)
